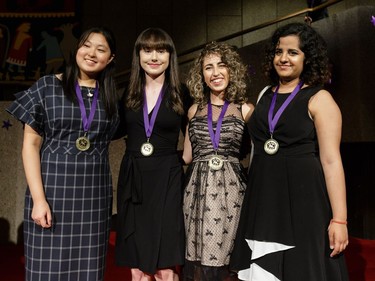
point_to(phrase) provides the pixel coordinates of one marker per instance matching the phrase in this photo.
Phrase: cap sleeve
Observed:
(29, 106)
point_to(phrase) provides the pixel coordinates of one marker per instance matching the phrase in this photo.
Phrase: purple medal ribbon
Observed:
(215, 137)
(273, 121)
(149, 124)
(87, 121)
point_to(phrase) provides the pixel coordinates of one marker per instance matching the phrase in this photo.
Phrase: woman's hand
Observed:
(338, 237)
(41, 214)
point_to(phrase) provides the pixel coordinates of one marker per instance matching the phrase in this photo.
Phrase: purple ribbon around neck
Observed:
(273, 121)
(149, 124)
(215, 137)
(87, 121)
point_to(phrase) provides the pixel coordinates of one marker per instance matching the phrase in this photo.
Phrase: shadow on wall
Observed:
(5, 233)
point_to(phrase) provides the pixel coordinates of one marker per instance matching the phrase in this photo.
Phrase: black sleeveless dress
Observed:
(282, 233)
(150, 232)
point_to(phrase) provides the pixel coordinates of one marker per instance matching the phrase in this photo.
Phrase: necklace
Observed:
(90, 93)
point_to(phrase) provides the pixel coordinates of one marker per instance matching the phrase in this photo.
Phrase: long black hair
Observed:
(107, 86)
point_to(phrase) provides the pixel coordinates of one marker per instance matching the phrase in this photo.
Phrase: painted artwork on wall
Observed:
(36, 37)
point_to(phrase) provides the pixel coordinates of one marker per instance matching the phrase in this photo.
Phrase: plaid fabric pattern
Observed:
(78, 186)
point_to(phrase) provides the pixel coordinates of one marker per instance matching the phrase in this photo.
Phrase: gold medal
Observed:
(215, 163)
(147, 149)
(271, 146)
(83, 143)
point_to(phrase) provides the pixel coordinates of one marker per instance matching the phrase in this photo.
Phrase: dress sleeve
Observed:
(28, 106)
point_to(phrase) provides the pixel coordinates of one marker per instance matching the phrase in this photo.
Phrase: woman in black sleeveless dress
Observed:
(150, 233)
(296, 185)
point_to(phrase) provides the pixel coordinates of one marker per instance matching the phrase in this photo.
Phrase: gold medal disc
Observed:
(83, 143)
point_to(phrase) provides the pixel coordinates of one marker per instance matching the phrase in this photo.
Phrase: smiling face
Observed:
(215, 73)
(154, 61)
(93, 56)
(289, 59)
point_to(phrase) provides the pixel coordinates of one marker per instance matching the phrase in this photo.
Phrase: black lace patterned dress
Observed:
(213, 199)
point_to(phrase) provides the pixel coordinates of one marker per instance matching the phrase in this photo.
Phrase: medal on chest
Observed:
(215, 162)
(271, 146)
(83, 142)
(147, 149)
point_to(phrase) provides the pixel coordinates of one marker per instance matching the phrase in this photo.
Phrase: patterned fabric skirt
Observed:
(79, 192)
(212, 205)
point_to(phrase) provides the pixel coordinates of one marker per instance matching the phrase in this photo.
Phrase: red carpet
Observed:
(360, 257)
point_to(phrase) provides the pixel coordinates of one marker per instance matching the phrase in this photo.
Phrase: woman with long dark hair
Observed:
(69, 119)
(150, 234)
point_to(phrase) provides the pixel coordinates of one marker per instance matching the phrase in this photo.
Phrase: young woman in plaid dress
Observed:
(69, 120)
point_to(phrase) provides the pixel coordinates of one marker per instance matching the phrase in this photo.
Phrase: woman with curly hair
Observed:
(215, 180)
(293, 224)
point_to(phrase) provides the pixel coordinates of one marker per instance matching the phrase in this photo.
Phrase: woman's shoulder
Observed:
(320, 97)
(192, 110)
(48, 80)
(312, 89)
(247, 108)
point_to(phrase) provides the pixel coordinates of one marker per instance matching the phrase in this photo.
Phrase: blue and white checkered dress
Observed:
(77, 184)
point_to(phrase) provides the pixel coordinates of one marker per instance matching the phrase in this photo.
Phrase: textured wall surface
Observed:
(12, 178)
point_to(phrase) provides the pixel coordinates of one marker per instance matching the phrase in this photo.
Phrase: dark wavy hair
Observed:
(316, 69)
(107, 85)
(154, 38)
(236, 90)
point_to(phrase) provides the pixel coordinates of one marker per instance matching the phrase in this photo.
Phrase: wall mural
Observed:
(36, 37)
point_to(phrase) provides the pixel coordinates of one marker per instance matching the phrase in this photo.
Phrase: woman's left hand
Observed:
(338, 238)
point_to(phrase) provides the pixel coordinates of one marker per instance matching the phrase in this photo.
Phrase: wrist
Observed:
(338, 221)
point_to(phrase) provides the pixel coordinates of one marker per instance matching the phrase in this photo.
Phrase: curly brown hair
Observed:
(236, 90)
(316, 69)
